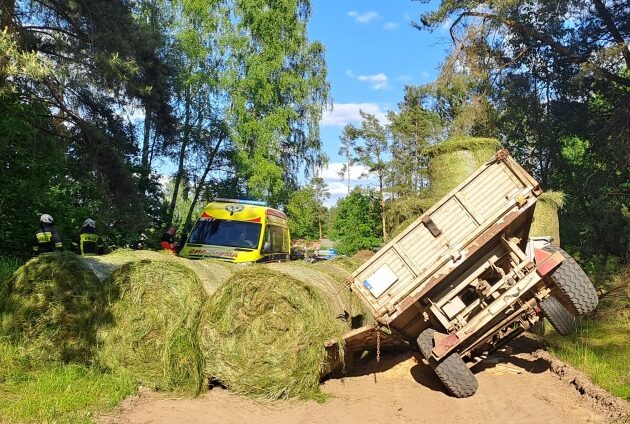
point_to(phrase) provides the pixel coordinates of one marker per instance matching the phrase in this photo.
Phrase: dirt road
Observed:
(519, 388)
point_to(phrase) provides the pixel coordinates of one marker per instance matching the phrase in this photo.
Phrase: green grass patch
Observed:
(43, 392)
(601, 345)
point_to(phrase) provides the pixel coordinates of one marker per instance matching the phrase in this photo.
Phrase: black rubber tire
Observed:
(559, 316)
(452, 371)
(425, 343)
(576, 289)
(456, 376)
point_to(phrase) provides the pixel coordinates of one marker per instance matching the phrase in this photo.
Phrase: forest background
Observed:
(231, 93)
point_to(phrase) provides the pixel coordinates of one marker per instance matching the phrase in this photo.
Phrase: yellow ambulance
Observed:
(239, 231)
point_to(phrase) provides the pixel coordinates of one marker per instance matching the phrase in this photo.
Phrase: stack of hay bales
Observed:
(546, 221)
(54, 305)
(171, 323)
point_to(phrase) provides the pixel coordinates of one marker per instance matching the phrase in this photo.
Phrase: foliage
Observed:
(302, 211)
(356, 223)
(552, 78)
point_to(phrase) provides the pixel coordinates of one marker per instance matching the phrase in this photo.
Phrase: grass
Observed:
(601, 345)
(33, 391)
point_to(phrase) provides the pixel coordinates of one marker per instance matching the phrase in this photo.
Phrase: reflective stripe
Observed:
(88, 243)
(44, 237)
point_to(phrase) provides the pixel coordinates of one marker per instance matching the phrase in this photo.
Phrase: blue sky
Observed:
(372, 53)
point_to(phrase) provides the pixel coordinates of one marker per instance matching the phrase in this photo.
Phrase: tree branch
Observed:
(605, 15)
(545, 39)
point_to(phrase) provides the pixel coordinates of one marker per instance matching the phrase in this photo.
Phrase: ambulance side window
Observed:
(276, 240)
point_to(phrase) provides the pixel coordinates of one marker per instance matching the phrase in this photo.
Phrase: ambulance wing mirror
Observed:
(266, 247)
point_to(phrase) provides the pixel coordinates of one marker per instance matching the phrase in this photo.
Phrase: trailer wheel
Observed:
(425, 343)
(452, 371)
(456, 376)
(559, 317)
(575, 287)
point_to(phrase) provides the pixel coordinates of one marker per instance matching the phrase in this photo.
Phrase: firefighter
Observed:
(47, 238)
(167, 242)
(88, 239)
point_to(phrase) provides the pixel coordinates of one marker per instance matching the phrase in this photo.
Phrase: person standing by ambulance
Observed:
(47, 238)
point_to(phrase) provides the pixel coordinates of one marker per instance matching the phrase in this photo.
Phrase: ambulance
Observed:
(239, 231)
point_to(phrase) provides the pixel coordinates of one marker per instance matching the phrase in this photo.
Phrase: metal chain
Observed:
(378, 345)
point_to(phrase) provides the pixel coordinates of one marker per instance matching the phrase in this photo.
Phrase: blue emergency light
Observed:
(243, 201)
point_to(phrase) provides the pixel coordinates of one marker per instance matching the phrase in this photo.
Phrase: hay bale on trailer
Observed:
(453, 160)
(154, 333)
(53, 306)
(264, 331)
(546, 221)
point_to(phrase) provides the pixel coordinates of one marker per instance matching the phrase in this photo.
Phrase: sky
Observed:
(372, 52)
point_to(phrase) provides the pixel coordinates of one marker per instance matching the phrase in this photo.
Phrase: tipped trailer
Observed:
(464, 279)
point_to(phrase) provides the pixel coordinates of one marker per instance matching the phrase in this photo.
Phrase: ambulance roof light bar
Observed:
(243, 201)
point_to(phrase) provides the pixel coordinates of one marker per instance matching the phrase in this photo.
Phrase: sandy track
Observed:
(519, 388)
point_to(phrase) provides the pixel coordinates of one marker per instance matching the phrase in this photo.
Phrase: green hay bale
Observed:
(452, 161)
(211, 272)
(546, 221)
(264, 332)
(53, 306)
(154, 335)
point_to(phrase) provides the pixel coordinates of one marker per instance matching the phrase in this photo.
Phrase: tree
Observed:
(356, 223)
(303, 211)
(372, 155)
(348, 140)
(278, 91)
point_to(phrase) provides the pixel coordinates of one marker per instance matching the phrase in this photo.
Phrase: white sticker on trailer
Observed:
(381, 280)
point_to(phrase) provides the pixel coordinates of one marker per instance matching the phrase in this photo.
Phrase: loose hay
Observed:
(546, 221)
(264, 334)
(455, 159)
(211, 272)
(53, 306)
(154, 335)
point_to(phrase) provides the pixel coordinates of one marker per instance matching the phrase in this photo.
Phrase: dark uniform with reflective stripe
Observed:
(47, 239)
(88, 241)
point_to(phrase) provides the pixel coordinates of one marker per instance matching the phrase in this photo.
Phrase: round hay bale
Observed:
(452, 161)
(53, 306)
(546, 221)
(263, 335)
(154, 334)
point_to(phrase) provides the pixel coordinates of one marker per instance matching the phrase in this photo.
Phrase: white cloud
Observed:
(350, 74)
(365, 17)
(425, 75)
(389, 26)
(332, 172)
(404, 78)
(343, 114)
(377, 81)
(337, 189)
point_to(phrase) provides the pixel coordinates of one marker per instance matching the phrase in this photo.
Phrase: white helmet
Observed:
(46, 219)
(89, 223)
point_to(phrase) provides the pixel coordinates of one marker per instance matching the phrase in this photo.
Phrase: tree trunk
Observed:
(182, 154)
(145, 169)
(188, 221)
(380, 183)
